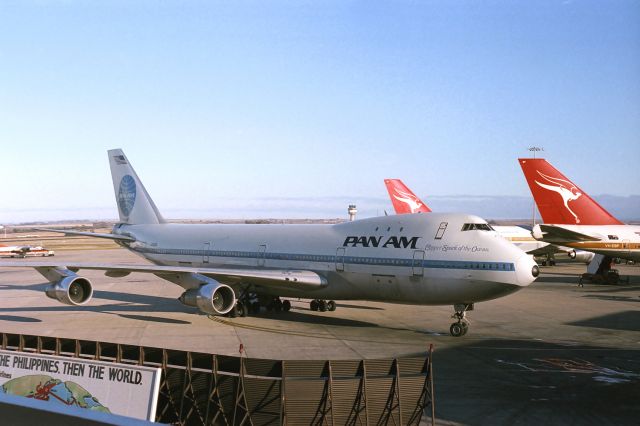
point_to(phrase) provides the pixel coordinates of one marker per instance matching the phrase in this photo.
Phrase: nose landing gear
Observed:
(461, 327)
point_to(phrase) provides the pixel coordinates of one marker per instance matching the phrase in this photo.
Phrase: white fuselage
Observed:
(414, 259)
(520, 237)
(12, 251)
(621, 241)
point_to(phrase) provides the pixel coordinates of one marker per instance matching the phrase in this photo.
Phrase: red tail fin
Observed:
(403, 200)
(559, 200)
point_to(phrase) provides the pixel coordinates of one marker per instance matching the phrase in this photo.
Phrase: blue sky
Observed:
(222, 106)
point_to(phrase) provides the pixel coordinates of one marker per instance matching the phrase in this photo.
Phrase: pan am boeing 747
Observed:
(411, 259)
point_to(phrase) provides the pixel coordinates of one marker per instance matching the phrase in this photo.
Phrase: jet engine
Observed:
(71, 290)
(581, 256)
(213, 298)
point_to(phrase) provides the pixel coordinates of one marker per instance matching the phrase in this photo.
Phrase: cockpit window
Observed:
(477, 227)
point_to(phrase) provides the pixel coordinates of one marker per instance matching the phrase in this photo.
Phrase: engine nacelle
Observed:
(581, 256)
(537, 233)
(213, 298)
(71, 290)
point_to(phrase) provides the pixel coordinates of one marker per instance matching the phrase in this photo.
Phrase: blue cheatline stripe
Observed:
(350, 260)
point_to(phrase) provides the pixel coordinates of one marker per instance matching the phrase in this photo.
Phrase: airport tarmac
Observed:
(551, 353)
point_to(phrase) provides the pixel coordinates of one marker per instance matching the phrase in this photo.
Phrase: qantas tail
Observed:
(135, 206)
(403, 200)
(559, 200)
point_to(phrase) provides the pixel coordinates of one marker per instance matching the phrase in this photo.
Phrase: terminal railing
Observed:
(207, 389)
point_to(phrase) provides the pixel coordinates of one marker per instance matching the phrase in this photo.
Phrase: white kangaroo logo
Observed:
(566, 189)
(409, 199)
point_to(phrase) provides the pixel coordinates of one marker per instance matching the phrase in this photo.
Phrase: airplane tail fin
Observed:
(403, 200)
(135, 206)
(559, 200)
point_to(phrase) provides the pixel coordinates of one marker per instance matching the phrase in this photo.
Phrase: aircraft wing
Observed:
(541, 251)
(557, 234)
(287, 278)
(88, 234)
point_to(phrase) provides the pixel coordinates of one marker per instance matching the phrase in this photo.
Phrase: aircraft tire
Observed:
(313, 305)
(242, 309)
(322, 306)
(233, 312)
(331, 305)
(277, 305)
(286, 305)
(457, 329)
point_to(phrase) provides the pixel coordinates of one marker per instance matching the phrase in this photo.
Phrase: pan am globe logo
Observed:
(127, 195)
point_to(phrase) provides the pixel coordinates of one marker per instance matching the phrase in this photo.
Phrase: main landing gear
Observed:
(461, 327)
(240, 310)
(322, 305)
(251, 304)
(549, 260)
(278, 305)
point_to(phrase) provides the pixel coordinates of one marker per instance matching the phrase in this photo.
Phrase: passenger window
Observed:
(441, 229)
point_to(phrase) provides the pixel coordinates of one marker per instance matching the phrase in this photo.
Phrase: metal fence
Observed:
(206, 389)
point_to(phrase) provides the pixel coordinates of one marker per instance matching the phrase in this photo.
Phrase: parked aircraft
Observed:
(405, 201)
(433, 259)
(24, 251)
(13, 251)
(572, 218)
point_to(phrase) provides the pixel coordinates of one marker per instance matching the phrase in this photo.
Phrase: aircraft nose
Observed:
(527, 270)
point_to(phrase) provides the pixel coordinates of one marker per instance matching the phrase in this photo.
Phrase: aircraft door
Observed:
(441, 229)
(262, 248)
(417, 266)
(205, 252)
(340, 259)
(626, 246)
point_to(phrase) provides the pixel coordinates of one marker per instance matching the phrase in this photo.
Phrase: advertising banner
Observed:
(128, 390)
